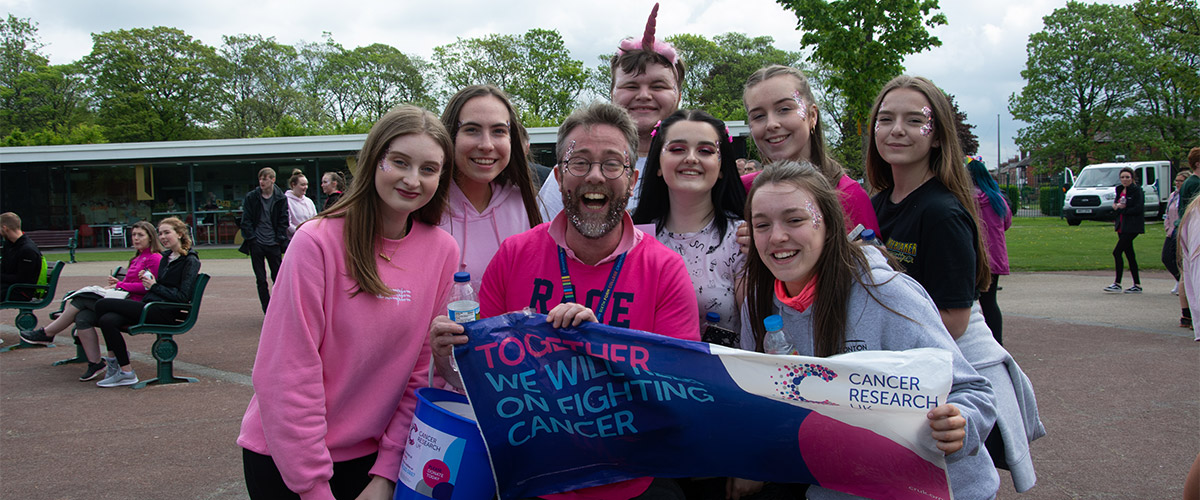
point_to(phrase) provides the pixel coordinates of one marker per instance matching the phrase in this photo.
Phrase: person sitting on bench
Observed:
(81, 311)
(22, 261)
(178, 270)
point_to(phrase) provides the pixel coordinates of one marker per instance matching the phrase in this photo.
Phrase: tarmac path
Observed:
(1118, 387)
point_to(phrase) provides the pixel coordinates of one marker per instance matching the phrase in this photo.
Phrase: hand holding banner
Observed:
(562, 409)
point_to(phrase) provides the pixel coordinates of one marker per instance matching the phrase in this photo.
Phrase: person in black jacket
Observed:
(175, 283)
(22, 261)
(1130, 205)
(265, 231)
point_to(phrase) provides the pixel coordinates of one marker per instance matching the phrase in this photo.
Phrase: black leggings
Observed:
(263, 479)
(114, 314)
(991, 310)
(1125, 245)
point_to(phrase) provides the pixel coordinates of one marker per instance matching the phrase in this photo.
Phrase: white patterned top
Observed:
(713, 264)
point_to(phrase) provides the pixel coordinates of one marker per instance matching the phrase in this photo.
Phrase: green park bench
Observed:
(25, 318)
(165, 349)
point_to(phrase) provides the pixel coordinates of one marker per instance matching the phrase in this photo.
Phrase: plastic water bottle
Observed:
(464, 303)
(715, 334)
(868, 237)
(775, 342)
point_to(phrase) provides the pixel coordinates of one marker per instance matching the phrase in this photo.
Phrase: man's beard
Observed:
(592, 225)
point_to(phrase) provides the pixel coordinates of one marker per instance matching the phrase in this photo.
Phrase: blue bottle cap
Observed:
(712, 317)
(867, 234)
(773, 322)
(462, 277)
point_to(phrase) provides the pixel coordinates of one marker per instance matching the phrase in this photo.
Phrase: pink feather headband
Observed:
(648, 43)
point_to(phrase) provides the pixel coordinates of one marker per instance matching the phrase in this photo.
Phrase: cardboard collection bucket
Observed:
(445, 458)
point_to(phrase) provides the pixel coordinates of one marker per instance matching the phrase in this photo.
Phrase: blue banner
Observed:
(562, 409)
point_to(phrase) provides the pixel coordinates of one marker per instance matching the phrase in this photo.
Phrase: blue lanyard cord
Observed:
(569, 288)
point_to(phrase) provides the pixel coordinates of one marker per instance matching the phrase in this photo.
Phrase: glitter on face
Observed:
(816, 214)
(570, 151)
(383, 164)
(927, 128)
(801, 109)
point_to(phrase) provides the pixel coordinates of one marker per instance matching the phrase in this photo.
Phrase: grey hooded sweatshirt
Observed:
(871, 326)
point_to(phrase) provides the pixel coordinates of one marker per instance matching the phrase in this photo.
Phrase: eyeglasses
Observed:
(610, 169)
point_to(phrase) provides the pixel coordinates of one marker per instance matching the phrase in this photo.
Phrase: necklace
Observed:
(407, 228)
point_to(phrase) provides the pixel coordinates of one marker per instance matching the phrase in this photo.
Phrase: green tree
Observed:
(153, 84)
(1166, 109)
(262, 84)
(35, 97)
(1078, 85)
(966, 138)
(863, 43)
(535, 69)
(717, 69)
(362, 83)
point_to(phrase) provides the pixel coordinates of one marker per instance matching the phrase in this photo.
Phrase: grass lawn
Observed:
(1049, 244)
(124, 255)
(1034, 244)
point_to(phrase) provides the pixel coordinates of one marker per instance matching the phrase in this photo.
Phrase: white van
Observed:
(1094, 190)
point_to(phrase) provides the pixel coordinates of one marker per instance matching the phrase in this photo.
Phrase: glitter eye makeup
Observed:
(801, 109)
(816, 214)
(927, 128)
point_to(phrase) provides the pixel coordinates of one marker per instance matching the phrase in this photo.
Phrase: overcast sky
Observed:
(979, 62)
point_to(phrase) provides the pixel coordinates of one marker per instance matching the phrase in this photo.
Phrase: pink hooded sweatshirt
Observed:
(479, 234)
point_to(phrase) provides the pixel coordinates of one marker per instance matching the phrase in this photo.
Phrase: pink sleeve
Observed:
(288, 370)
(1008, 215)
(857, 205)
(677, 314)
(132, 282)
(391, 445)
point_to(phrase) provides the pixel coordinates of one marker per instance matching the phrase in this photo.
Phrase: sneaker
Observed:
(1113, 288)
(93, 370)
(111, 367)
(1132, 289)
(1185, 322)
(121, 378)
(1175, 289)
(37, 336)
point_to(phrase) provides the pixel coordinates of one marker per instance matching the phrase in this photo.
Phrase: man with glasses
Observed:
(589, 263)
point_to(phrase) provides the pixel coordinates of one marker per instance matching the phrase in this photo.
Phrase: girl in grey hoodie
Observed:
(838, 297)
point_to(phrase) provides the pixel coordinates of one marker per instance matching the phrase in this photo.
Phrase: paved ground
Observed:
(1118, 385)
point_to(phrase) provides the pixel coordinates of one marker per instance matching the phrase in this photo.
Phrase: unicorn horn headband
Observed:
(648, 43)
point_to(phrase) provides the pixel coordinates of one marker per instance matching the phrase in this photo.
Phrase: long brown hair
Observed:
(361, 205)
(830, 168)
(840, 266)
(517, 171)
(945, 161)
(151, 232)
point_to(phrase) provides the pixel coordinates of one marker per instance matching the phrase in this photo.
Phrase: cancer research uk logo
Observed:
(787, 380)
(401, 295)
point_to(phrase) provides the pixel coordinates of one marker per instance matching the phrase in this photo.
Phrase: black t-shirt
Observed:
(933, 236)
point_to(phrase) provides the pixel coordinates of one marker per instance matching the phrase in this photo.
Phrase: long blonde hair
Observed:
(361, 204)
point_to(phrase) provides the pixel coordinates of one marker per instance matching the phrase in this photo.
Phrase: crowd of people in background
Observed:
(648, 204)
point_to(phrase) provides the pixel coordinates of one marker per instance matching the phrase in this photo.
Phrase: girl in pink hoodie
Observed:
(344, 344)
(492, 195)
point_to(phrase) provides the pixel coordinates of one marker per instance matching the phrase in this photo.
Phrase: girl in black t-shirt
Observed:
(924, 199)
